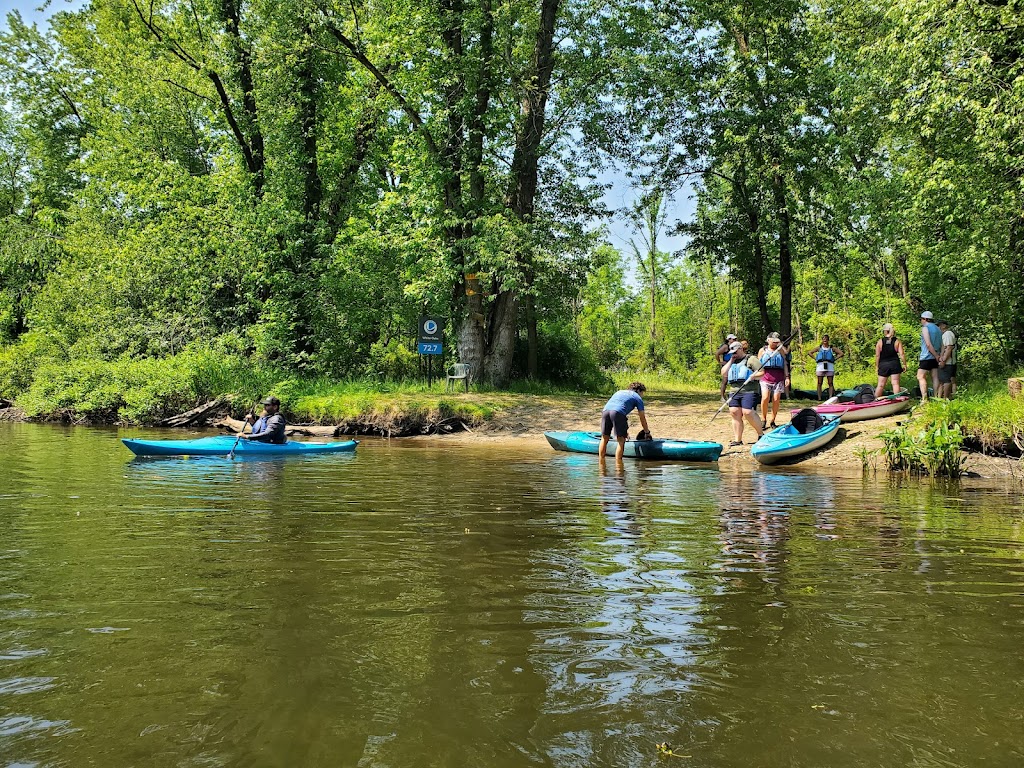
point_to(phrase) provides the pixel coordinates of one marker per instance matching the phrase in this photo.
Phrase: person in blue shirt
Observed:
(270, 426)
(615, 416)
(928, 360)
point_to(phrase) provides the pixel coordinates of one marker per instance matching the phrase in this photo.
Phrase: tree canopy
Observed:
(296, 181)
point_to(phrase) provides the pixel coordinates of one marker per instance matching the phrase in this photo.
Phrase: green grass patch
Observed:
(990, 417)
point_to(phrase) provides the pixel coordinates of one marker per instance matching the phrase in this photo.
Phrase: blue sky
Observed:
(620, 195)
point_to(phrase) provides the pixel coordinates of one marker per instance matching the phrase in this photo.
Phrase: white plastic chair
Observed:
(457, 372)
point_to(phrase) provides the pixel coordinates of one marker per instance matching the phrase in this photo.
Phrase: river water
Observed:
(423, 603)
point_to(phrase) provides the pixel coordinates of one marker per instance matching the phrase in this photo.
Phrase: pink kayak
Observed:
(876, 409)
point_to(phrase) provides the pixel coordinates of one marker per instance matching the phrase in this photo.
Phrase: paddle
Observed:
(760, 365)
(231, 454)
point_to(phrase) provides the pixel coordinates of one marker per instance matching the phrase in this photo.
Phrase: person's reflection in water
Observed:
(625, 506)
(264, 477)
(614, 496)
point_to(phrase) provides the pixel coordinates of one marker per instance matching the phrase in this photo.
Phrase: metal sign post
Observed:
(430, 341)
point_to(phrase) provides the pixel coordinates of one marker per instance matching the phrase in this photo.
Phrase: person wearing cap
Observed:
(928, 360)
(947, 361)
(723, 354)
(270, 426)
(825, 355)
(741, 405)
(890, 360)
(775, 378)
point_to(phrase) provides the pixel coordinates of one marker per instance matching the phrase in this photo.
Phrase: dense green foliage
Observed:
(288, 185)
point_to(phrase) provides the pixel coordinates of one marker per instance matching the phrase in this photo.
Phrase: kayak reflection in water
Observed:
(270, 426)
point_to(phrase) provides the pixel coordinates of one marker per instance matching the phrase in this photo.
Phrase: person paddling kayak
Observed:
(616, 416)
(270, 426)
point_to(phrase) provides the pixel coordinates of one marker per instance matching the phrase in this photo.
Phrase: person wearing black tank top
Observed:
(890, 360)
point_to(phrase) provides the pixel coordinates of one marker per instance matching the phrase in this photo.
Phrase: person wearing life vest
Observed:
(270, 426)
(722, 355)
(775, 376)
(739, 374)
(890, 360)
(825, 356)
(928, 360)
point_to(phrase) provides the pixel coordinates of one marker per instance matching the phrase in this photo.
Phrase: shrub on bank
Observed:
(128, 389)
(933, 450)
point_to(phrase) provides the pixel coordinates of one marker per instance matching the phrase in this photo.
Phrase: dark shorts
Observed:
(743, 400)
(889, 368)
(927, 365)
(614, 420)
(947, 373)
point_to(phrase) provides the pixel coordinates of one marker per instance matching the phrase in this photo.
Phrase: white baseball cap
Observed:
(887, 327)
(730, 336)
(926, 315)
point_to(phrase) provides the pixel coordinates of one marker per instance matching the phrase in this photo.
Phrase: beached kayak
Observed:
(672, 450)
(221, 446)
(808, 431)
(887, 406)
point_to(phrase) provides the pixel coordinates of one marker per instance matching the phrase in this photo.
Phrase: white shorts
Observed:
(826, 369)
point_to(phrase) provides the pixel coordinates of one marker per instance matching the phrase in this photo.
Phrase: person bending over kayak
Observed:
(741, 405)
(775, 378)
(616, 416)
(270, 426)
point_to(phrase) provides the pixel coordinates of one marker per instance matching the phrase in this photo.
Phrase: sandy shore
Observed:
(690, 417)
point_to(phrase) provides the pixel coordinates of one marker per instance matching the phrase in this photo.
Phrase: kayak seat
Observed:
(865, 394)
(807, 420)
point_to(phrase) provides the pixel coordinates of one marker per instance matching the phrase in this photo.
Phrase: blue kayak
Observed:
(808, 431)
(221, 446)
(670, 450)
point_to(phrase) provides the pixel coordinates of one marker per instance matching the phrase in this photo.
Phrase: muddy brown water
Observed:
(421, 603)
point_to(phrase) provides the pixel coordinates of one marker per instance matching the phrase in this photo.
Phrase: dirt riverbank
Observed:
(689, 416)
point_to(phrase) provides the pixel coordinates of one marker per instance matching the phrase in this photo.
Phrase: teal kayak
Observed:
(666, 450)
(805, 433)
(221, 446)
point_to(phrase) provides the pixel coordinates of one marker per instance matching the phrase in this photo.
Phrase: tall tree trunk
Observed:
(304, 265)
(760, 290)
(532, 366)
(654, 295)
(472, 331)
(249, 122)
(522, 194)
(785, 255)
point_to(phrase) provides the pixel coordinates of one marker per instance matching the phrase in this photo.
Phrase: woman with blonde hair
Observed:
(890, 360)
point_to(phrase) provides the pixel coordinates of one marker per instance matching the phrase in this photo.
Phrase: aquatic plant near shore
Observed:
(933, 450)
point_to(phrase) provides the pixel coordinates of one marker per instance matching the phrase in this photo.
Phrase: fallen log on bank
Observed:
(379, 427)
(198, 414)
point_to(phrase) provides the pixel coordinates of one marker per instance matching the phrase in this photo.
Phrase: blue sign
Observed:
(425, 348)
